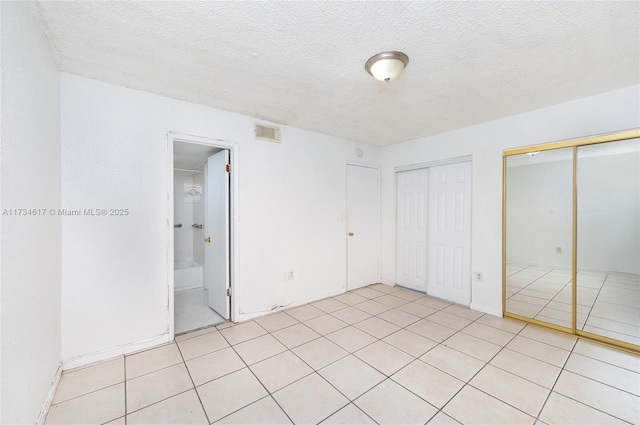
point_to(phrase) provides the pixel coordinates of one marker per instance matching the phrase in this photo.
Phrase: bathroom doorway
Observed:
(200, 220)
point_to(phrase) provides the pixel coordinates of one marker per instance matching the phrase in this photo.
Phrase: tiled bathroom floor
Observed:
(192, 311)
(374, 355)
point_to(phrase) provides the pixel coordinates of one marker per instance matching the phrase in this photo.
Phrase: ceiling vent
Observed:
(265, 132)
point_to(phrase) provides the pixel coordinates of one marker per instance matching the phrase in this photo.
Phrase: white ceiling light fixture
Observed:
(386, 66)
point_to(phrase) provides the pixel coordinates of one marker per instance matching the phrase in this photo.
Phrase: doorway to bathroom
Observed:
(200, 232)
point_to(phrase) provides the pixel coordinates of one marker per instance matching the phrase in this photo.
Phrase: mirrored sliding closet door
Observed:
(608, 290)
(538, 220)
(571, 237)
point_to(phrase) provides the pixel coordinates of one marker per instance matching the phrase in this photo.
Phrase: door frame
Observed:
(233, 220)
(346, 218)
(431, 164)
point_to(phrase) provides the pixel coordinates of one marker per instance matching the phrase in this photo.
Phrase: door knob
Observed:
(350, 233)
(207, 239)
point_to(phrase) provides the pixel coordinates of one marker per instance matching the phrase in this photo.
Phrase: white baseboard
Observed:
(243, 317)
(485, 309)
(94, 358)
(50, 394)
(114, 352)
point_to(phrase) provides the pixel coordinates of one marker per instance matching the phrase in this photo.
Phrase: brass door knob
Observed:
(207, 239)
(350, 233)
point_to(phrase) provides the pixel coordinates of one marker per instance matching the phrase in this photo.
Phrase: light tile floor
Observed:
(374, 355)
(192, 311)
(608, 302)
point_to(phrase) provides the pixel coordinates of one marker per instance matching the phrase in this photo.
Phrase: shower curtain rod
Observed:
(189, 171)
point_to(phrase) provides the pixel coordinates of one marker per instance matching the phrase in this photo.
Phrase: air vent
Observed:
(265, 132)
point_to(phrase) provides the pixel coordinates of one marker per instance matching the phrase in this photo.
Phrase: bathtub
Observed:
(187, 275)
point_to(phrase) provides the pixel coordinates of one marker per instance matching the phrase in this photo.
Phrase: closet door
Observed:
(571, 240)
(412, 192)
(608, 240)
(538, 210)
(449, 247)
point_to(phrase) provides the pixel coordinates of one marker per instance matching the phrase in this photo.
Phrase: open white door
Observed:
(450, 232)
(363, 223)
(217, 232)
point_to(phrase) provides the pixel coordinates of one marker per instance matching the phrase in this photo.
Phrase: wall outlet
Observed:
(291, 275)
(478, 277)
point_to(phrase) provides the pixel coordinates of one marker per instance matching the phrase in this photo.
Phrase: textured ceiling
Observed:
(302, 63)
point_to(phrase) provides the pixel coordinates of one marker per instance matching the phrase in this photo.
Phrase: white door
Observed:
(412, 192)
(217, 232)
(449, 247)
(363, 224)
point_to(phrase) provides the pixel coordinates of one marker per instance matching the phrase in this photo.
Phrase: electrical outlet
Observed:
(291, 275)
(478, 277)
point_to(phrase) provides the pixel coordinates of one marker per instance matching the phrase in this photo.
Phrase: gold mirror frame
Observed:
(571, 143)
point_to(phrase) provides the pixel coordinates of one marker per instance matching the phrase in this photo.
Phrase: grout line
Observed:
(593, 304)
(612, 332)
(124, 366)
(600, 382)
(316, 371)
(363, 412)
(269, 395)
(256, 377)
(389, 377)
(599, 288)
(608, 362)
(159, 401)
(279, 406)
(156, 370)
(87, 393)
(194, 385)
(468, 383)
(386, 377)
(555, 382)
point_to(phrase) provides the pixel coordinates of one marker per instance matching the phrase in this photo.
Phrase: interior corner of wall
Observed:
(389, 282)
(49, 400)
(110, 353)
(484, 309)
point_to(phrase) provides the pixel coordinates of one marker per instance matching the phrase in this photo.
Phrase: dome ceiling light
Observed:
(386, 66)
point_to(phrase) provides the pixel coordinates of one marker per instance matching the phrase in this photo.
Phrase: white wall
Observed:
(540, 212)
(540, 203)
(30, 245)
(198, 218)
(609, 212)
(607, 112)
(183, 214)
(291, 209)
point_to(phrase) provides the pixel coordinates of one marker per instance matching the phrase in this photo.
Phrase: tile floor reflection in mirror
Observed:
(608, 302)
